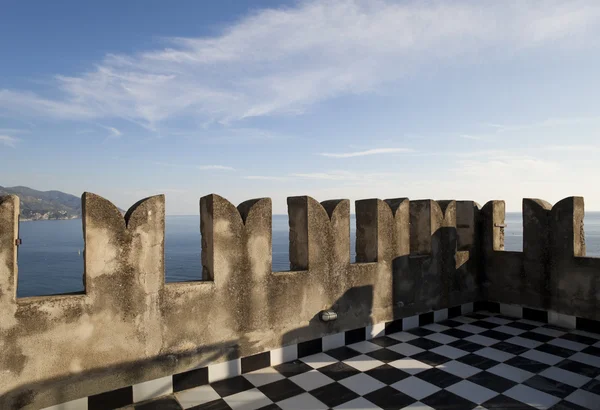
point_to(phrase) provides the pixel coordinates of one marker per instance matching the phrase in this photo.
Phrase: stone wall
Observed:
(130, 326)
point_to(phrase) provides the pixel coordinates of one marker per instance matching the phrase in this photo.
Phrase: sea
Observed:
(50, 258)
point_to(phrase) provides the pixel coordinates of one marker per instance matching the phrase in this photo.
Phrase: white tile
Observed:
(542, 357)
(79, 404)
(196, 396)
(511, 310)
(495, 354)
(531, 322)
(364, 347)
(284, 354)
(264, 376)
(318, 360)
(331, 342)
(510, 372)
(471, 328)
(363, 363)
(409, 365)
(358, 404)
(248, 400)
(435, 327)
(311, 380)
(153, 388)
(418, 406)
(471, 391)
(584, 398)
(482, 340)
(459, 369)
(587, 334)
(441, 338)
(440, 315)
(225, 370)
(533, 397)
(497, 320)
(410, 322)
(586, 358)
(467, 308)
(362, 384)
(449, 351)
(302, 402)
(510, 330)
(561, 320)
(565, 376)
(568, 344)
(415, 387)
(464, 319)
(403, 336)
(374, 331)
(548, 332)
(406, 349)
(521, 341)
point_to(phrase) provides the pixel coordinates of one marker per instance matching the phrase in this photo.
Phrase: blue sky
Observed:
(334, 99)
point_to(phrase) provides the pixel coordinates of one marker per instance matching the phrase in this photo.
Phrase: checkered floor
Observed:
(478, 361)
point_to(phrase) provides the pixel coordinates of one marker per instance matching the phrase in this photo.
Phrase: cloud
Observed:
(8, 141)
(375, 151)
(215, 167)
(284, 60)
(264, 178)
(572, 148)
(114, 133)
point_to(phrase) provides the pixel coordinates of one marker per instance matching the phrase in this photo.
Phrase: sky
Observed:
(466, 100)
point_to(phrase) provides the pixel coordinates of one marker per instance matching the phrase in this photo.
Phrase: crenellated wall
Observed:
(130, 326)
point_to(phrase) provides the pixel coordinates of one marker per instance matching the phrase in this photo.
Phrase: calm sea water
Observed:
(51, 256)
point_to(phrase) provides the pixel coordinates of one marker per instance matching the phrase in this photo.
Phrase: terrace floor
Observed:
(478, 361)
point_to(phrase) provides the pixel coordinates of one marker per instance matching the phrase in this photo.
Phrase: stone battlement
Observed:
(413, 257)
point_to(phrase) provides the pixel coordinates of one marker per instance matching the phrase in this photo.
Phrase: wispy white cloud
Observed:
(281, 61)
(215, 167)
(375, 151)
(114, 133)
(264, 178)
(8, 141)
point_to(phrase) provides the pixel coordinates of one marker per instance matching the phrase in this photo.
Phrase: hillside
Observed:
(38, 205)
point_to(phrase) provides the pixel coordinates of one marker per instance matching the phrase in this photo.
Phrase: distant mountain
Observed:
(37, 205)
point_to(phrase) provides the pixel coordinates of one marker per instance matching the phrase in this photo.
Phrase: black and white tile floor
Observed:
(478, 361)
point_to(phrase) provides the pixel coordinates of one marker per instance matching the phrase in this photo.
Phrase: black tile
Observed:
(355, 336)
(188, 380)
(536, 336)
(255, 362)
(384, 341)
(112, 399)
(343, 353)
(271, 406)
(387, 374)
(519, 325)
(419, 331)
(595, 351)
(524, 363)
(218, 404)
(579, 368)
(565, 405)
(425, 318)
(310, 347)
(466, 345)
(588, 325)
(556, 350)
(496, 335)
(460, 334)
(389, 398)
(281, 390)
(231, 386)
(334, 394)
(550, 386)
(492, 381)
(485, 324)
(510, 348)
(535, 315)
(579, 338)
(593, 386)
(394, 326)
(480, 362)
(444, 400)
(165, 403)
(292, 368)
(476, 316)
(430, 358)
(506, 317)
(338, 371)
(502, 402)
(424, 343)
(385, 355)
(454, 311)
(438, 377)
(451, 323)
(553, 327)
